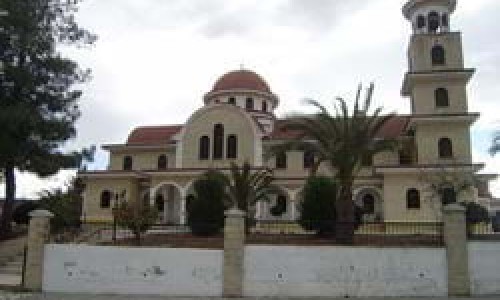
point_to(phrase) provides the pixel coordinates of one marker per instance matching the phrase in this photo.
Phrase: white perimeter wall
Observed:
(484, 267)
(344, 271)
(113, 270)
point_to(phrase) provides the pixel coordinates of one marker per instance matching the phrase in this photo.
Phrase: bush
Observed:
(496, 222)
(476, 213)
(318, 206)
(206, 209)
(21, 212)
(66, 207)
(137, 218)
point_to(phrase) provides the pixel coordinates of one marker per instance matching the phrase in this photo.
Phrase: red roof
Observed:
(153, 135)
(395, 127)
(241, 80)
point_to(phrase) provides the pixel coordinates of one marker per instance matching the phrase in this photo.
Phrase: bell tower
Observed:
(436, 83)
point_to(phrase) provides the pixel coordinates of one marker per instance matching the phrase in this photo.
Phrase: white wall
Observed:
(484, 267)
(344, 271)
(113, 270)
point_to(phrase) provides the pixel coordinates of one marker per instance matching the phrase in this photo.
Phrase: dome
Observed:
(241, 80)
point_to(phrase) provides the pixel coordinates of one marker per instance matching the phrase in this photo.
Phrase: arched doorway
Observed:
(371, 204)
(166, 198)
(280, 207)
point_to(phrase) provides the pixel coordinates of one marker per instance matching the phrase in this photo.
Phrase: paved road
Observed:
(24, 296)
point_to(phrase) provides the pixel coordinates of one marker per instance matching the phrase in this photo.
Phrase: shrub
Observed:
(206, 208)
(476, 213)
(137, 218)
(21, 213)
(318, 206)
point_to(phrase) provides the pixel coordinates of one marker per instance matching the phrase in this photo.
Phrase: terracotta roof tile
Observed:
(241, 79)
(392, 129)
(153, 135)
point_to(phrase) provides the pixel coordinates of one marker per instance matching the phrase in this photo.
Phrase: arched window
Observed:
(438, 56)
(249, 104)
(449, 196)
(232, 101)
(127, 163)
(281, 161)
(232, 146)
(204, 148)
(369, 204)
(162, 162)
(445, 21)
(413, 199)
(308, 159)
(218, 141)
(441, 96)
(420, 22)
(433, 21)
(160, 203)
(281, 206)
(106, 199)
(264, 106)
(445, 148)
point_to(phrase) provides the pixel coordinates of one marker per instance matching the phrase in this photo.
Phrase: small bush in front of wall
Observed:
(318, 206)
(206, 208)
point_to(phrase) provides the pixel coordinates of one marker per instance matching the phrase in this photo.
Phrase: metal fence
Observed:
(206, 235)
(369, 234)
(483, 231)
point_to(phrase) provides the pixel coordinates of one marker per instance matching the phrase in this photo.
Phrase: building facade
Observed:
(159, 164)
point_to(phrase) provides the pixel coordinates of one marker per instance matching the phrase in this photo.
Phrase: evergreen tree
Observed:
(38, 90)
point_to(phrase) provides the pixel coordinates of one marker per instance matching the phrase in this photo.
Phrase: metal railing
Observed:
(483, 231)
(370, 233)
(207, 235)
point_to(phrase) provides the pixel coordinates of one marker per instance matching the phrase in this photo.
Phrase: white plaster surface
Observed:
(344, 271)
(484, 267)
(145, 271)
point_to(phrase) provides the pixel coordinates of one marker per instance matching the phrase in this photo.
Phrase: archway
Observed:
(280, 207)
(167, 198)
(371, 204)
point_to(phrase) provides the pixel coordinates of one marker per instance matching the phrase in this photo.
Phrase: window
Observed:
(369, 204)
(127, 163)
(449, 196)
(420, 22)
(204, 147)
(308, 159)
(160, 203)
(433, 21)
(281, 161)
(218, 141)
(249, 104)
(106, 199)
(412, 199)
(280, 208)
(162, 162)
(438, 56)
(232, 101)
(232, 146)
(445, 148)
(264, 106)
(445, 21)
(441, 96)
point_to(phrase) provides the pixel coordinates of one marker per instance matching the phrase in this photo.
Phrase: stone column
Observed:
(234, 243)
(38, 236)
(455, 238)
(183, 207)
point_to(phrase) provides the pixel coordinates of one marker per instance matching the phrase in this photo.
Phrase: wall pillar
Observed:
(234, 243)
(38, 236)
(183, 207)
(455, 238)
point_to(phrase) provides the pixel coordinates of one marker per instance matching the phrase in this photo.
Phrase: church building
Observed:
(237, 123)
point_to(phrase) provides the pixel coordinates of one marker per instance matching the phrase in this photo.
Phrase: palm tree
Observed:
(342, 140)
(245, 188)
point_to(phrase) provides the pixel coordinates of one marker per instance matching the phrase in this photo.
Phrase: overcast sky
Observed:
(155, 60)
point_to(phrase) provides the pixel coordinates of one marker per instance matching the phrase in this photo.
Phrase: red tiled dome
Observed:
(241, 80)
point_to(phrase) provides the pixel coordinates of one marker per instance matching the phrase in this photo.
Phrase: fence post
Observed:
(234, 239)
(38, 236)
(455, 238)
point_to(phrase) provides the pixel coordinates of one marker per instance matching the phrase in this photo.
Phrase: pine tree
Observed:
(38, 90)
